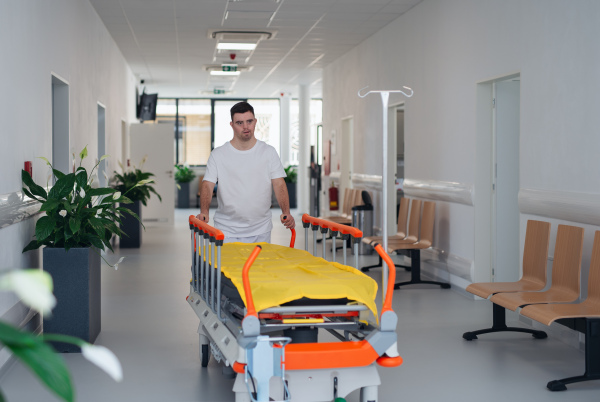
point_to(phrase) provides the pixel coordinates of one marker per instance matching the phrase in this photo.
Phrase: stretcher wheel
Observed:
(204, 355)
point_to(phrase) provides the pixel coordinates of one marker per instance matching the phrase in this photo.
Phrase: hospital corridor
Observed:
(299, 200)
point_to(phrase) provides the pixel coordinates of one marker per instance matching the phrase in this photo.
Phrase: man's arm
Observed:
(283, 200)
(206, 192)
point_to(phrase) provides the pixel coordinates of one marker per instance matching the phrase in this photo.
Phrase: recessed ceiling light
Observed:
(224, 73)
(235, 46)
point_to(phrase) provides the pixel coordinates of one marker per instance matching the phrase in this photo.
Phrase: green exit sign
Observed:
(229, 67)
(218, 91)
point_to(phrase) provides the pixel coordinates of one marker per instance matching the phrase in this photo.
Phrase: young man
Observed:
(245, 168)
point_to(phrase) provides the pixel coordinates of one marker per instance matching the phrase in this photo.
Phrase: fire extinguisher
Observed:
(333, 198)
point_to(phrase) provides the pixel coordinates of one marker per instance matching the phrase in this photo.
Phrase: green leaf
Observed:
(33, 245)
(83, 153)
(44, 227)
(107, 243)
(63, 186)
(41, 359)
(96, 242)
(84, 201)
(67, 206)
(60, 235)
(81, 178)
(74, 224)
(58, 174)
(46, 160)
(158, 195)
(10, 335)
(28, 194)
(50, 204)
(97, 226)
(102, 191)
(34, 188)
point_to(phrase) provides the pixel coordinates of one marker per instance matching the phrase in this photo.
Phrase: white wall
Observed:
(67, 38)
(442, 49)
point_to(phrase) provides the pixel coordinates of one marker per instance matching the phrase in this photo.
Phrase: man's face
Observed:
(243, 125)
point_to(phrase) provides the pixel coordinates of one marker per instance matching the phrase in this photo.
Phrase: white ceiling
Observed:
(167, 43)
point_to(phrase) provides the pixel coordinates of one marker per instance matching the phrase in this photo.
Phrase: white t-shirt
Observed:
(244, 187)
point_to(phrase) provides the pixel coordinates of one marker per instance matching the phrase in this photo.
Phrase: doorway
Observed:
(497, 217)
(505, 181)
(347, 157)
(102, 145)
(395, 171)
(60, 125)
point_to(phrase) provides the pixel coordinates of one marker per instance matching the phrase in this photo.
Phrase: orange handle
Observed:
(205, 227)
(246, 280)
(389, 294)
(293, 241)
(337, 227)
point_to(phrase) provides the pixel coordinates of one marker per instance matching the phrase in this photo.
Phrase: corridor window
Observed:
(267, 113)
(316, 117)
(192, 132)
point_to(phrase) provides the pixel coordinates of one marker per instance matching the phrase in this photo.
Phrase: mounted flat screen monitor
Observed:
(147, 107)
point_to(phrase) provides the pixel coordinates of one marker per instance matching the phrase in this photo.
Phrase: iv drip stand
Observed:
(385, 95)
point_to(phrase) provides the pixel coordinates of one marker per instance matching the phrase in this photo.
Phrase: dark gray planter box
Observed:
(183, 195)
(76, 277)
(131, 226)
(291, 188)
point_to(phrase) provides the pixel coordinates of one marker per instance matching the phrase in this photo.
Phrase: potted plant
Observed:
(290, 181)
(183, 176)
(79, 222)
(128, 182)
(34, 288)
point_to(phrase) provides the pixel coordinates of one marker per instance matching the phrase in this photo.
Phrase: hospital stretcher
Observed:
(245, 331)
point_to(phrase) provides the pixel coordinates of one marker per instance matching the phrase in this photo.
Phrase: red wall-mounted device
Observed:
(28, 168)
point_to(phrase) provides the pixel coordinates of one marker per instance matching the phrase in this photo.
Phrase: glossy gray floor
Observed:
(148, 324)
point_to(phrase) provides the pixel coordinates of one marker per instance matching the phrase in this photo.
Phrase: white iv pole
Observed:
(385, 95)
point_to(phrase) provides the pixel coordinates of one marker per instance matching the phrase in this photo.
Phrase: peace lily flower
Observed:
(104, 359)
(142, 182)
(99, 212)
(82, 193)
(63, 213)
(33, 286)
(116, 195)
(118, 262)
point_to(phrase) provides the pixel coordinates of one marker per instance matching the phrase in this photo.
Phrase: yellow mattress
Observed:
(282, 274)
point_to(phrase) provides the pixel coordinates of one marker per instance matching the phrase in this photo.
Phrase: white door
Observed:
(156, 141)
(347, 159)
(506, 185)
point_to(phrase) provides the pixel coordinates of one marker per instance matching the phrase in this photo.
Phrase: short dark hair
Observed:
(241, 107)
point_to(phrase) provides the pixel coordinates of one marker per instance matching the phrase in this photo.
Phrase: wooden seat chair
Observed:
(584, 316)
(414, 249)
(351, 197)
(401, 225)
(566, 273)
(342, 213)
(564, 287)
(535, 256)
(413, 232)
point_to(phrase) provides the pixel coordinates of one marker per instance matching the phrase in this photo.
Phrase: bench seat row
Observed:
(556, 303)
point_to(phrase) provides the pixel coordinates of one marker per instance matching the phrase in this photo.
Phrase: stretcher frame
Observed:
(268, 367)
